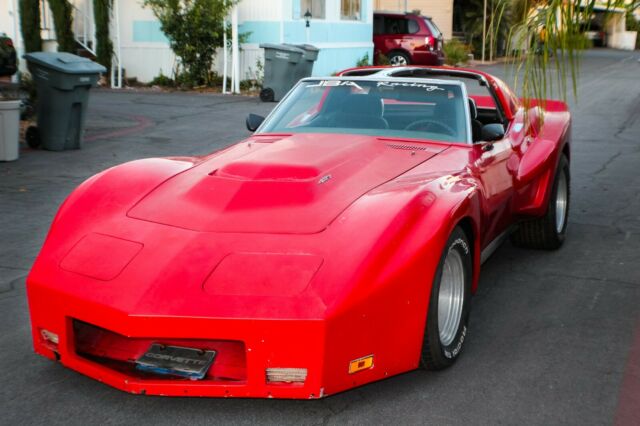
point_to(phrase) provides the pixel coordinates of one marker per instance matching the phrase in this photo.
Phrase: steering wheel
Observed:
(426, 124)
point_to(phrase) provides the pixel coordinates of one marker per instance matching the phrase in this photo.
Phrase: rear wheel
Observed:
(448, 313)
(548, 232)
(32, 137)
(399, 59)
(267, 95)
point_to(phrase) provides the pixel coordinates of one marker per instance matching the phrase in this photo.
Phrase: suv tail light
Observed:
(430, 42)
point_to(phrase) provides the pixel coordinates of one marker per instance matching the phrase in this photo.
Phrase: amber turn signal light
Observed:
(360, 364)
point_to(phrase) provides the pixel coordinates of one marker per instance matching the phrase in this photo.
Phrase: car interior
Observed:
(482, 105)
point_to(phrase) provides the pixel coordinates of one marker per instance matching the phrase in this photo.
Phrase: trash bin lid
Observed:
(65, 62)
(308, 47)
(285, 47)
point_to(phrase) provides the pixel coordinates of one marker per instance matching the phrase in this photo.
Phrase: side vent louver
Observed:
(407, 147)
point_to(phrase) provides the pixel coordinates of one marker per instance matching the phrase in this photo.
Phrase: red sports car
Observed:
(339, 245)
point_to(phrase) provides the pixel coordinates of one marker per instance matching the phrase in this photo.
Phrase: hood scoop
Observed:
(245, 170)
(296, 185)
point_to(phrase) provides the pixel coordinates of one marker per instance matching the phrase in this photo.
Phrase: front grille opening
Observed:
(119, 353)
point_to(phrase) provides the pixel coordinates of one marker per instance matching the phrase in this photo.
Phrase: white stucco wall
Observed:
(142, 60)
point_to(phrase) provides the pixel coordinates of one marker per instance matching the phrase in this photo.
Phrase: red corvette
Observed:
(338, 245)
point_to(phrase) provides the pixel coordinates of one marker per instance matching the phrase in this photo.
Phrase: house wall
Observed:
(441, 11)
(146, 53)
(10, 25)
(341, 42)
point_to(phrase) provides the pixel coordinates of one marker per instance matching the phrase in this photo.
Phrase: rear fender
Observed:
(534, 176)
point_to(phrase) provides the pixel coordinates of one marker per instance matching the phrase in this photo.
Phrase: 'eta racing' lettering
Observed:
(427, 87)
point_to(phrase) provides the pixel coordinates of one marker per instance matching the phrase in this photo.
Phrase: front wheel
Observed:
(448, 314)
(548, 232)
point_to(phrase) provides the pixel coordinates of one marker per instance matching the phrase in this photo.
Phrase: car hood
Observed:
(296, 184)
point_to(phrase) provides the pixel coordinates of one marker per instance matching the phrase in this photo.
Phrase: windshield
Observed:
(420, 110)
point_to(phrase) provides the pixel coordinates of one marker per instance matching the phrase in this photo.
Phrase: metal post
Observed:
(282, 22)
(91, 19)
(235, 50)
(116, 14)
(14, 15)
(484, 30)
(225, 58)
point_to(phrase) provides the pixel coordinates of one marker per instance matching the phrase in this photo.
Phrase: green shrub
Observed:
(364, 61)
(162, 81)
(30, 24)
(456, 52)
(382, 59)
(633, 25)
(104, 48)
(63, 22)
(194, 29)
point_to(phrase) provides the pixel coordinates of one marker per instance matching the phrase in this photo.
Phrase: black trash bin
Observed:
(280, 70)
(62, 83)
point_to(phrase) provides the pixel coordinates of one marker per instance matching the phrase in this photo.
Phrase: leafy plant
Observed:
(104, 48)
(63, 22)
(162, 81)
(554, 26)
(456, 52)
(364, 61)
(633, 24)
(382, 59)
(30, 24)
(194, 29)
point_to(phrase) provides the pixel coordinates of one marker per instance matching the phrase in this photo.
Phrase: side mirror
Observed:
(492, 132)
(254, 121)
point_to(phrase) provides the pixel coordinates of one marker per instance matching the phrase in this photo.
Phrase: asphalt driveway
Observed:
(554, 337)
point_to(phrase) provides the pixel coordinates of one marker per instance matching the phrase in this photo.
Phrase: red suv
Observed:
(407, 38)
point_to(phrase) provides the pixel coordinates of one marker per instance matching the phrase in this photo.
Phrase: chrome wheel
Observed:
(561, 201)
(451, 297)
(398, 61)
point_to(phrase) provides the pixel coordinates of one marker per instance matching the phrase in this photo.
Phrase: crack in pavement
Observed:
(11, 286)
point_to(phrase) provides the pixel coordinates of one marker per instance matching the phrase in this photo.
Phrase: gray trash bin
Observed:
(305, 66)
(62, 82)
(280, 64)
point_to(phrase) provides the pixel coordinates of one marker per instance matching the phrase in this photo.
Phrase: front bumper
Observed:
(103, 344)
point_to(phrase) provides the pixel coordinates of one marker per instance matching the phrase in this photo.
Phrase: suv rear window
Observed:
(435, 31)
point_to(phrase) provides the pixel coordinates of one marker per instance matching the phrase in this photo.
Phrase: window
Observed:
(433, 29)
(396, 25)
(350, 9)
(413, 26)
(316, 7)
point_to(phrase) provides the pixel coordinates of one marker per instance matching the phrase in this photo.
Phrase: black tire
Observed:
(435, 354)
(267, 95)
(32, 137)
(398, 58)
(543, 233)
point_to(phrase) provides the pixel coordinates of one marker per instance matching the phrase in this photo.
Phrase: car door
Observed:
(492, 167)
